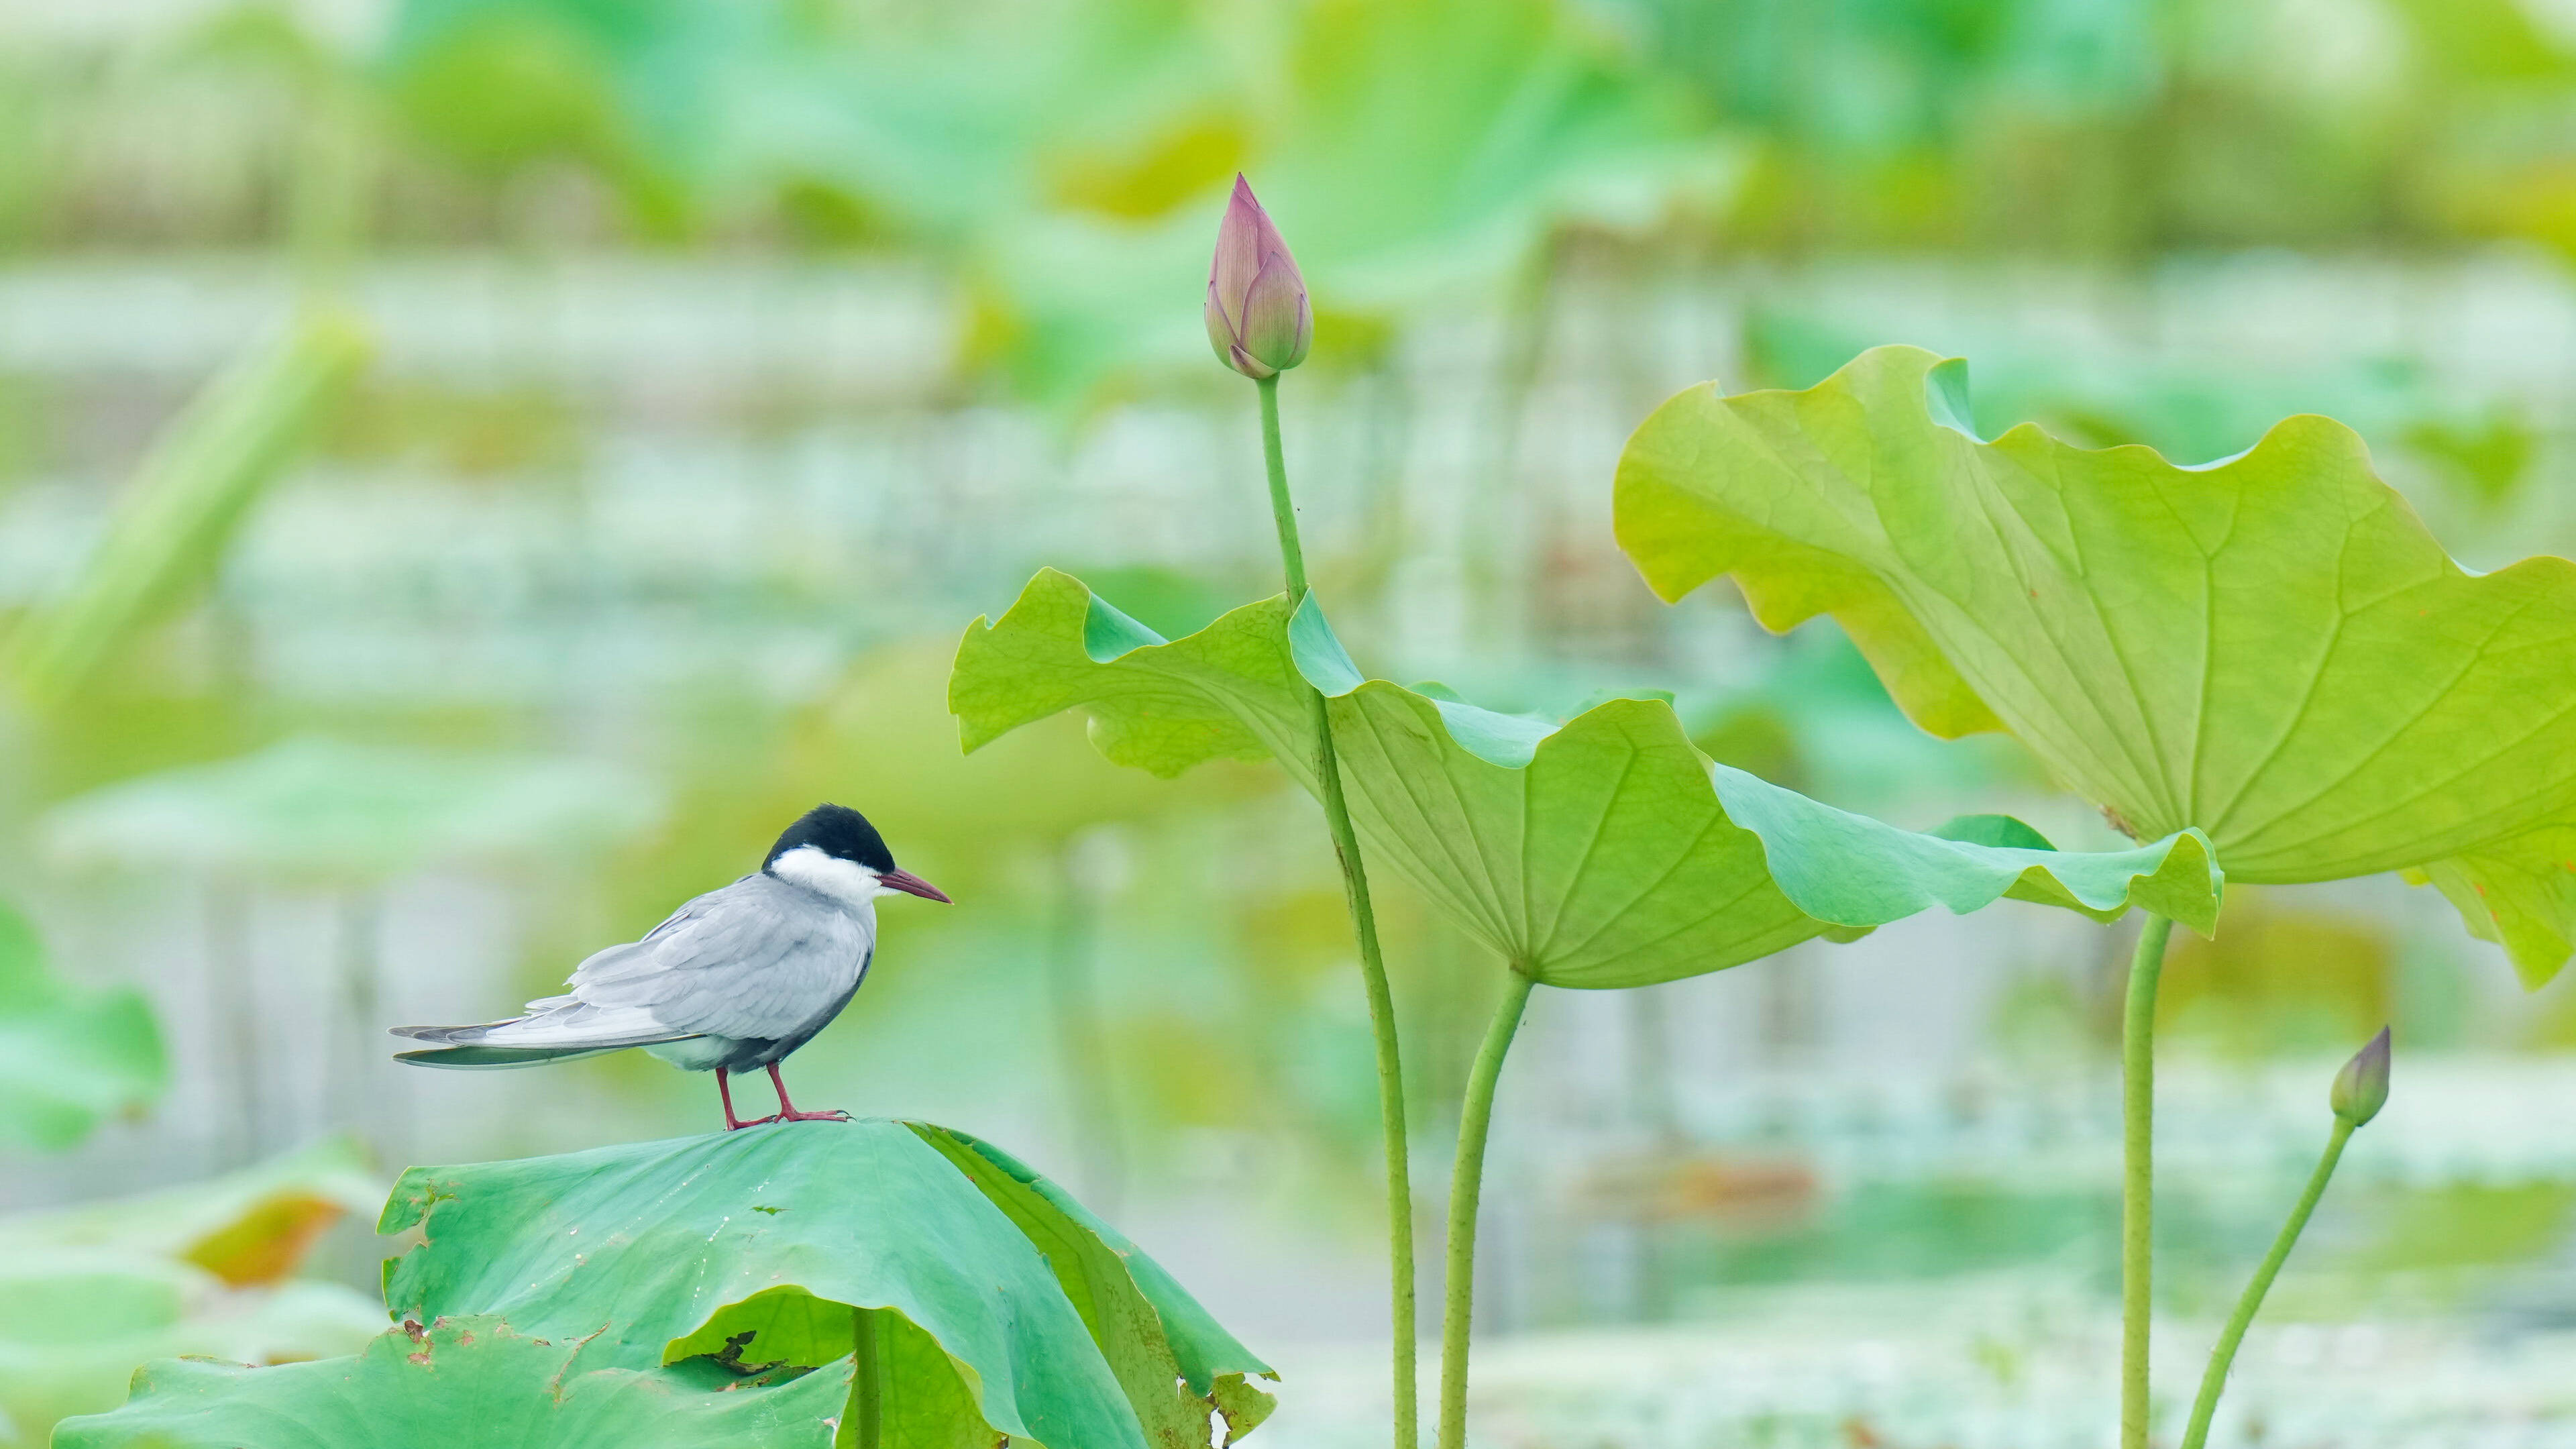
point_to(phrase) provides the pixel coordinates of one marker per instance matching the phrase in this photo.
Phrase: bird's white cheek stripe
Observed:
(842, 880)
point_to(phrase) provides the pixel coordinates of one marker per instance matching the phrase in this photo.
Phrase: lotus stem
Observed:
(2138, 1175)
(1466, 1183)
(863, 1421)
(1283, 509)
(1381, 999)
(326, 208)
(2213, 1380)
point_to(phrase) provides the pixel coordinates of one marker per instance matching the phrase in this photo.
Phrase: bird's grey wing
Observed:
(633, 960)
(757, 959)
(626, 971)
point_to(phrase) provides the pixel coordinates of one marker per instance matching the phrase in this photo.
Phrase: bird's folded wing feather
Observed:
(757, 959)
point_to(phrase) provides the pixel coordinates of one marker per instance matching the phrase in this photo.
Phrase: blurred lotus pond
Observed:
(470, 468)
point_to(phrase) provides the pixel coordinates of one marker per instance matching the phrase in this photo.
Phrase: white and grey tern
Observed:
(734, 980)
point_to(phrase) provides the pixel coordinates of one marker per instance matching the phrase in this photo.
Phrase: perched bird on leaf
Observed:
(734, 980)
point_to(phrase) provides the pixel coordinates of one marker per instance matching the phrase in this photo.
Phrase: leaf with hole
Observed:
(1000, 1308)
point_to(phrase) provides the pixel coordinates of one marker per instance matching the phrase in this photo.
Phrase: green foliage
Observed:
(624, 90)
(1880, 1231)
(2271, 649)
(1518, 117)
(1005, 1308)
(248, 1228)
(2519, 892)
(1519, 121)
(2280, 980)
(1604, 852)
(1172, 1359)
(1812, 716)
(466, 1381)
(1068, 157)
(315, 809)
(2488, 455)
(86, 1293)
(2469, 1225)
(188, 497)
(1882, 75)
(68, 1056)
(938, 126)
(75, 1325)
(2189, 412)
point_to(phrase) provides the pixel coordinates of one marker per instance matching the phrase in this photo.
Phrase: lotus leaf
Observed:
(1603, 852)
(68, 1055)
(2271, 649)
(471, 1381)
(88, 1292)
(1000, 1307)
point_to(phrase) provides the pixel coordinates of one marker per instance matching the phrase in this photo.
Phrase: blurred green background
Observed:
(472, 470)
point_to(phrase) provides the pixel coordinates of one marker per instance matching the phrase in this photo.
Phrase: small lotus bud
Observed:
(2361, 1088)
(1258, 316)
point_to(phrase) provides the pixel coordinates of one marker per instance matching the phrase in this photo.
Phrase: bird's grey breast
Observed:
(760, 958)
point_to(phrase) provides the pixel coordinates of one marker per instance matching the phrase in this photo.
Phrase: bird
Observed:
(734, 980)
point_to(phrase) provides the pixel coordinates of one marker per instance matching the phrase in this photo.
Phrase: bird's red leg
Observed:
(726, 1092)
(787, 1110)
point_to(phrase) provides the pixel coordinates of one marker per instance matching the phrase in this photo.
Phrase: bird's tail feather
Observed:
(564, 1031)
(493, 1058)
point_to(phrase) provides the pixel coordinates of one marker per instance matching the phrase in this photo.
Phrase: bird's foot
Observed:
(787, 1109)
(734, 1126)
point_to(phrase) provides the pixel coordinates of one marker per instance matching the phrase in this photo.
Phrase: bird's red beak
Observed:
(910, 884)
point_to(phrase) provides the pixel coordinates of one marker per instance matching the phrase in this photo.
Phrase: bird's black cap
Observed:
(837, 831)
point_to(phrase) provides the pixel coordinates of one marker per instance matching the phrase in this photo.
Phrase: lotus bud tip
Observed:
(1259, 318)
(2361, 1088)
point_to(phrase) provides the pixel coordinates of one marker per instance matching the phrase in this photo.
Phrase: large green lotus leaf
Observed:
(1174, 1361)
(925, 1399)
(2519, 893)
(1604, 852)
(669, 1248)
(2272, 648)
(464, 1381)
(69, 1056)
(1166, 1350)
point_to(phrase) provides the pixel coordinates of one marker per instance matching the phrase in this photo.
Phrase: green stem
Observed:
(326, 209)
(1381, 999)
(1466, 1183)
(863, 1419)
(1283, 509)
(2213, 1380)
(2138, 1175)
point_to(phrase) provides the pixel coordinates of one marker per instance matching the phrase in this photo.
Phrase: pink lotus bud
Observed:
(2361, 1088)
(1258, 315)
